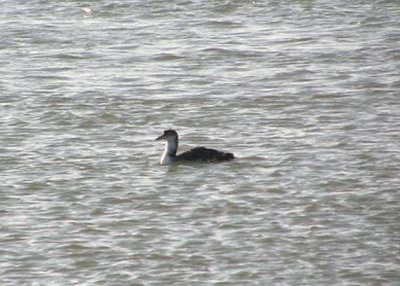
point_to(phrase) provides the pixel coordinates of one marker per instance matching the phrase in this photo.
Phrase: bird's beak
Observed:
(160, 137)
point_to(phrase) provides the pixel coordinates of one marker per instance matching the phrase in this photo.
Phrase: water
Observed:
(305, 93)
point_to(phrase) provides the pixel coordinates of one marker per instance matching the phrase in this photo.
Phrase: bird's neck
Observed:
(171, 147)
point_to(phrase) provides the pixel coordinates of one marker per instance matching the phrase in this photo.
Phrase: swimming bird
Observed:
(201, 154)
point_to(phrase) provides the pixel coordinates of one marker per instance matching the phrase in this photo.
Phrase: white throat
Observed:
(168, 156)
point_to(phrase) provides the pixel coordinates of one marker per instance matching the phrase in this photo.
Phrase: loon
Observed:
(201, 154)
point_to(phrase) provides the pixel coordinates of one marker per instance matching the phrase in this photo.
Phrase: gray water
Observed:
(305, 93)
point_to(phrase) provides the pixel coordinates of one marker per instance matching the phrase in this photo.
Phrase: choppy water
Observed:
(305, 93)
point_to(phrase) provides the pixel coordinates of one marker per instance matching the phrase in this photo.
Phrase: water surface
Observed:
(305, 93)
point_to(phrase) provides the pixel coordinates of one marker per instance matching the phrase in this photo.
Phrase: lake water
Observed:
(305, 93)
